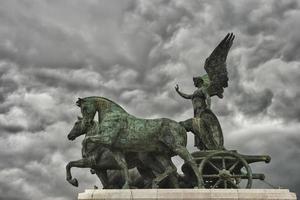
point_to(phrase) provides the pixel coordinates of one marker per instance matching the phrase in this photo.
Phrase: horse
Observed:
(100, 159)
(122, 132)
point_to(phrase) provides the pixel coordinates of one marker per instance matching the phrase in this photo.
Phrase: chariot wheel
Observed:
(225, 169)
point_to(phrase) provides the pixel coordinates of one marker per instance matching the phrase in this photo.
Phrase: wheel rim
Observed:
(227, 170)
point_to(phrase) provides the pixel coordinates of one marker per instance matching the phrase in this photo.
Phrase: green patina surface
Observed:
(150, 143)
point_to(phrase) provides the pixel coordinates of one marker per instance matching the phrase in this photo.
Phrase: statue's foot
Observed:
(74, 182)
(92, 171)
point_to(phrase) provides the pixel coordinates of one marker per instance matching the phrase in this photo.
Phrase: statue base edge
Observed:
(187, 194)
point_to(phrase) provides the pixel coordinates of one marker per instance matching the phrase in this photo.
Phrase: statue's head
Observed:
(78, 129)
(198, 81)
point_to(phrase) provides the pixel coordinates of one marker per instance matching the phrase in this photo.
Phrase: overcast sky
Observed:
(134, 52)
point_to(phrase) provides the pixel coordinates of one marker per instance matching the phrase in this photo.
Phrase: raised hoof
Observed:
(74, 182)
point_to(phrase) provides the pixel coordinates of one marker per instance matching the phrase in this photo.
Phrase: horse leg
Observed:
(188, 158)
(150, 161)
(82, 163)
(102, 175)
(147, 175)
(173, 177)
(120, 158)
(149, 168)
(168, 170)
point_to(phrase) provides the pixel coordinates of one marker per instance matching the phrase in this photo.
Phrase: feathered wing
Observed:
(216, 78)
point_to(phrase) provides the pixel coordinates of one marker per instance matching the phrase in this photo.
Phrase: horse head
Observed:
(88, 109)
(78, 129)
(90, 105)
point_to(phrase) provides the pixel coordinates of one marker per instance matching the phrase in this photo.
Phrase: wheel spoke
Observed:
(233, 184)
(234, 165)
(214, 166)
(223, 163)
(217, 183)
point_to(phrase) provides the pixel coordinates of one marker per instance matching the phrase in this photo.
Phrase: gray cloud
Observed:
(134, 52)
(252, 103)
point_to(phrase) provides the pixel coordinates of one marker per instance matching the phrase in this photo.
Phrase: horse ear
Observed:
(79, 118)
(78, 102)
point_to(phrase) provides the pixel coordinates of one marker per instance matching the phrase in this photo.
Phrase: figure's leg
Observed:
(82, 163)
(119, 157)
(200, 132)
(198, 128)
(188, 158)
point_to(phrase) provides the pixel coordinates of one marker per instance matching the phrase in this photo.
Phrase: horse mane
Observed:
(98, 97)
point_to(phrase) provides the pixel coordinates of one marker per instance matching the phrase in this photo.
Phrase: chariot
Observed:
(224, 169)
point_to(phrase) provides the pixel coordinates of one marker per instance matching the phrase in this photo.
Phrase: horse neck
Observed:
(102, 106)
(107, 109)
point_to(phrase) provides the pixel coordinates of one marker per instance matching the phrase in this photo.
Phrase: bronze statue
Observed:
(120, 141)
(205, 125)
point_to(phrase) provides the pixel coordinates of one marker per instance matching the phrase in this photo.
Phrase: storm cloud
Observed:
(135, 52)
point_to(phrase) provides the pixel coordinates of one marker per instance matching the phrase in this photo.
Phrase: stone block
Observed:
(188, 194)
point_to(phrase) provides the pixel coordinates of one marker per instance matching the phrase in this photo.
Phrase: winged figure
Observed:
(205, 124)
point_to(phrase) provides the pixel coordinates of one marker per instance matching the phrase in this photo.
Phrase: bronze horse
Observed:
(100, 159)
(123, 133)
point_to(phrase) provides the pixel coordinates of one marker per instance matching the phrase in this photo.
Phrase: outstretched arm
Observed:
(186, 96)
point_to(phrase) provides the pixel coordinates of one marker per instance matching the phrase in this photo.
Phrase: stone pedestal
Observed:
(188, 194)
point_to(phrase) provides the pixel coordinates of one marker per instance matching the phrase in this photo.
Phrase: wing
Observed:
(216, 78)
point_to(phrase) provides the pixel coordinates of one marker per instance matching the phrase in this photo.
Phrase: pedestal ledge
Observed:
(188, 194)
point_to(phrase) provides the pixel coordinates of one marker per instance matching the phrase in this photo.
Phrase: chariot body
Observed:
(224, 169)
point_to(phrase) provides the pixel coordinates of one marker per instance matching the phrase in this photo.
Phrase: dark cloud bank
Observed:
(134, 52)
